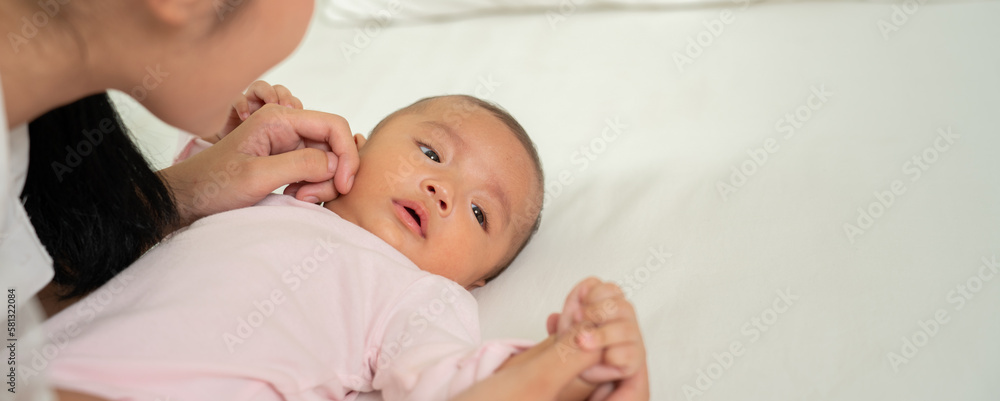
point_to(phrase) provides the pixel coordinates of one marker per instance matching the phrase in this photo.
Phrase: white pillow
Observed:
(385, 12)
(388, 11)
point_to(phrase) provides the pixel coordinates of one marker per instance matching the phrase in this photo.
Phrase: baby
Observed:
(288, 301)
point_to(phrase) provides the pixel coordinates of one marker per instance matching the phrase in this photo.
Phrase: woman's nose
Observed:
(440, 195)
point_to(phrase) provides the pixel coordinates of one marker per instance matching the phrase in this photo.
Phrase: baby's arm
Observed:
(430, 350)
(543, 372)
(594, 351)
(257, 95)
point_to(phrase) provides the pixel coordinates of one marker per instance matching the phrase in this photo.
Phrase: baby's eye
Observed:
(431, 154)
(480, 214)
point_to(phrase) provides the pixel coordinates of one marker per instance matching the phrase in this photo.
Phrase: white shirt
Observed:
(25, 266)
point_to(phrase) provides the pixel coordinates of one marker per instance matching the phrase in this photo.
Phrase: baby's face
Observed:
(443, 185)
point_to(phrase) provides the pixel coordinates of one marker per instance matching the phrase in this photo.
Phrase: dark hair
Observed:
(95, 202)
(534, 208)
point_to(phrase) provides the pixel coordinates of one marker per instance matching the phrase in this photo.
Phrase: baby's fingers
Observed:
(609, 310)
(552, 323)
(573, 308)
(260, 93)
(634, 387)
(285, 97)
(602, 292)
(242, 108)
(313, 192)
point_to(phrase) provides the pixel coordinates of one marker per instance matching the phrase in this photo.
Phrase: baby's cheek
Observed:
(389, 233)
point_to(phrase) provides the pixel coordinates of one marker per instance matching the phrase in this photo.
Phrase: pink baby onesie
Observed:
(281, 301)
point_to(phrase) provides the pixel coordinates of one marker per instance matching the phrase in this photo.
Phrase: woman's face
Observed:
(204, 65)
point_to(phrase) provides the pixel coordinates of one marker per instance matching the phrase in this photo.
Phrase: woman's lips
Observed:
(400, 207)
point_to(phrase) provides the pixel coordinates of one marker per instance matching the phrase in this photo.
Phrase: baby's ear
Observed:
(359, 141)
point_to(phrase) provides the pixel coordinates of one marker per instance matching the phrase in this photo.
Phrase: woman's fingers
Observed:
(626, 359)
(307, 164)
(276, 146)
(633, 388)
(335, 132)
(601, 373)
(291, 129)
(602, 392)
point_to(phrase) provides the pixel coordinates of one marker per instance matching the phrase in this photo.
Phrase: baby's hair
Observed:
(467, 104)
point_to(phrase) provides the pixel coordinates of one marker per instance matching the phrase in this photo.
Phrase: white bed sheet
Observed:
(779, 238)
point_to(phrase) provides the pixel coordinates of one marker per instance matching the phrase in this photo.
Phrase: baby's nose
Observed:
(440, 196)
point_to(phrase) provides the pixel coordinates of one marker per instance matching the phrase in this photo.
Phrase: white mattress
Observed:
(858, 299)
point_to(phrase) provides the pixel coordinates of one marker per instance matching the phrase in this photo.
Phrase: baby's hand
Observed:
(257, 95)
(621, 373)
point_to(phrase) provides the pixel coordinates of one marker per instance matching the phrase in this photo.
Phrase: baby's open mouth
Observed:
(414, 214)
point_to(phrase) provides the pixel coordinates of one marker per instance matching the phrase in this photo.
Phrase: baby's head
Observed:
(452, 182)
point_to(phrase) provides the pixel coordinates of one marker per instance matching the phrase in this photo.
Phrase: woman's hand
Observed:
(275, 146)
(257, 95)
(594, 351)
(613, 326)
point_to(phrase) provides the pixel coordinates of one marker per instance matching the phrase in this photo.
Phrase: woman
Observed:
(185, 60)
(95, 211)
